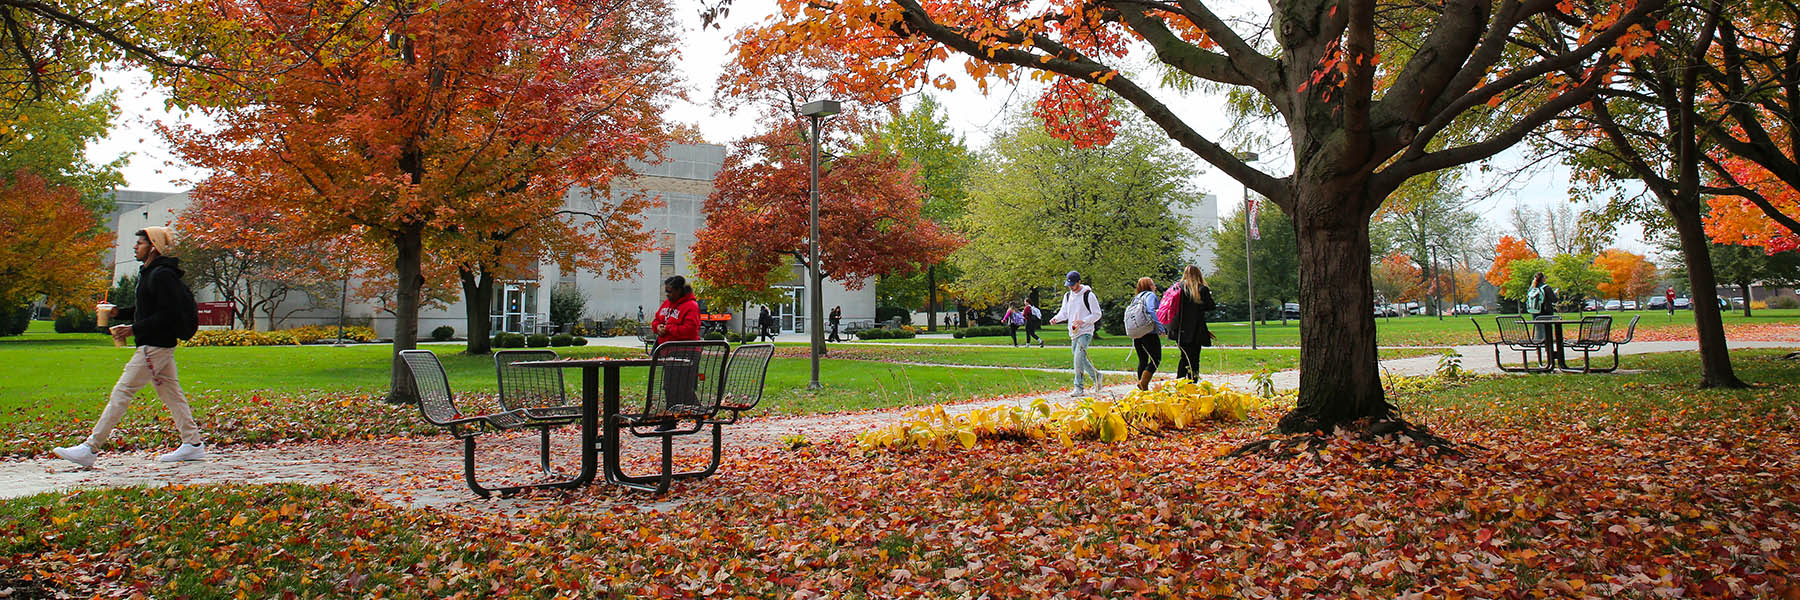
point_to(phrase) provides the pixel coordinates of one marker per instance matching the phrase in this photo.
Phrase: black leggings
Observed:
(1189, 367)
(1014, 330)
(1149, 352)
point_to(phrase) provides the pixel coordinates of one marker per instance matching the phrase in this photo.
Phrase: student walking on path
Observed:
(1082, 311)
(1015, 317)
(1147, 345)
(1189, 329)
(1033, 319)
(837, 315)
(165, 313)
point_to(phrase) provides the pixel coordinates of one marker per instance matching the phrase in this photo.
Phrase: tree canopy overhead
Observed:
(1369, 94)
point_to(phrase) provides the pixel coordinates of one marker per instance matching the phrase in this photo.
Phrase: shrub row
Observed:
(981, 331)
(286, 337)
(886, 334)
(536, 340)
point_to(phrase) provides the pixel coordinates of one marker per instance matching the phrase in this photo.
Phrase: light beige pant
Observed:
(156, 367)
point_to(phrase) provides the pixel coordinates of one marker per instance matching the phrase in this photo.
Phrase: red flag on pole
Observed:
(1255, 233)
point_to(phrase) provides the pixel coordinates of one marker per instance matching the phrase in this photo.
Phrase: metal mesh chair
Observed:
(1601, 340)
(1517, 336)
(744, 377)
(438, 405)
(535, 393)
(681, 397)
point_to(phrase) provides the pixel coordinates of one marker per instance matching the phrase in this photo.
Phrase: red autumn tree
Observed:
(1741, 220)
(1628, 275)
(49, 244)
(1370, 94)
(427, 122)
(1508, 250)
(252, 253)
(869, 215)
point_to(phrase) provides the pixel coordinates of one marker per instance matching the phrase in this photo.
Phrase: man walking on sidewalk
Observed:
(1082, 310)
(165, 312)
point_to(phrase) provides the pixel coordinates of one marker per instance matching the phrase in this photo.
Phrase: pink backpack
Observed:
(1165, 312)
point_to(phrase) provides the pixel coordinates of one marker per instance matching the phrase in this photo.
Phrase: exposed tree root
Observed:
(1383, 431)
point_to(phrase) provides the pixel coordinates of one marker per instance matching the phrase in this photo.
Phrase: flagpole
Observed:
(1249, 265)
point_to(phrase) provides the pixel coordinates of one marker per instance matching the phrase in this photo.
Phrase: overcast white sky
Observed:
(152, 168)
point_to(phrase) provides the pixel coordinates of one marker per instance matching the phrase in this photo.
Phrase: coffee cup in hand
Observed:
(103, 313)
(119, 333)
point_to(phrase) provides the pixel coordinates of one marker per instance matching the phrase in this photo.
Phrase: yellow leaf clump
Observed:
(1178, 404)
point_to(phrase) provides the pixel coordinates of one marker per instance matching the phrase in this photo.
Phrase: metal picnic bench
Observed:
(693, 386)
(1522, 335)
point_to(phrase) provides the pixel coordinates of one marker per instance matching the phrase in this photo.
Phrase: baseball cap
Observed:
(1074, 278)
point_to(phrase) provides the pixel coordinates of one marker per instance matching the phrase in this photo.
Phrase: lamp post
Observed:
(816, 111)
(1249, 270)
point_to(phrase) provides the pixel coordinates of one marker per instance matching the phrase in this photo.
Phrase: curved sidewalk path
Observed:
(427, 470)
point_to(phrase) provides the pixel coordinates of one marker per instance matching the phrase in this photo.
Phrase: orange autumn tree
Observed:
(1628, 275)
(50, 244)
(421, 122)
(1368, 95)
(1508, 250)
(251, 253)
(870, 222)
(1739, 220)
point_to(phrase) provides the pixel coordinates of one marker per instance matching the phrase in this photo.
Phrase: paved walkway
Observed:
(427, 471)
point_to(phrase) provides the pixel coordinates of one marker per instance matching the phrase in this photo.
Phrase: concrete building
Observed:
(682, 183)
(1201, 221)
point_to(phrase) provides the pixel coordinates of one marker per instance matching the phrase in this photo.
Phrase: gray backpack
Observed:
(1138, 319)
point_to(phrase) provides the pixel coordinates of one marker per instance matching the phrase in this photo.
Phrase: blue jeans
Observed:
(1082, 365)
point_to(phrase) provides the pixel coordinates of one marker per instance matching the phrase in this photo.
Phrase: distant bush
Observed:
(883, 313)
(508, 340)
(286, 337)
(17, 321)
(537, 340)
(562, 339)
(984, 331)
(713, 335)
(579, 341)
(443, 333)
(1784, 302)
(76, 320)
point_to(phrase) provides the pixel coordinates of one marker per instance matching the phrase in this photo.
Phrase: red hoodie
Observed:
(683, 318)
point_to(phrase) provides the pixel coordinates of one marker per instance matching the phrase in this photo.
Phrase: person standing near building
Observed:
(1033, 319)
(837, 315)
(1082, 311)
(1189, 328)
(165, 313)
(765, 326)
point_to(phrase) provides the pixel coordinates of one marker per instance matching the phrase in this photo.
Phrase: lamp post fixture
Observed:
(1249, 270)
(816, 111)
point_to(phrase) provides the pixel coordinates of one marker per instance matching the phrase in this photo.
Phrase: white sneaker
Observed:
(1079, 392)
(79, 454)
(185, 452)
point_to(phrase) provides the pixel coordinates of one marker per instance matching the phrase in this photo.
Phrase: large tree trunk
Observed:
(1715, 355)
(1339, 377)
(1746, 287)
(478, 296)
(409, 254)
(931, 298)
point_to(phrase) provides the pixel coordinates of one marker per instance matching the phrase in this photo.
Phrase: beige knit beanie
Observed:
(160, 238)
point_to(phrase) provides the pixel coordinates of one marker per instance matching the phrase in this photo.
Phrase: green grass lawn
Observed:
(1398, 331)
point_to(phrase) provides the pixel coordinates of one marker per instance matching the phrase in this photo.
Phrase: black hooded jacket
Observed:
(157, 320)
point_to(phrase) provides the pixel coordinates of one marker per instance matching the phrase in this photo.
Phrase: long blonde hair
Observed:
(1192, 281)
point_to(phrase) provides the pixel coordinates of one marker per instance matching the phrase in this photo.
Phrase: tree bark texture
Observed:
(931, 298)
(410, 251)
(478, 294)
(1715, 355)
(1340, 378)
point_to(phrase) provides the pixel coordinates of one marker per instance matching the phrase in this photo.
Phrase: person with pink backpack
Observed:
(1187, 321)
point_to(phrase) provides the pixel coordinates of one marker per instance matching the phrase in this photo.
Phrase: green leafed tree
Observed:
(1520, 280)
(1275, 255)
(1574, 277)
(922, 135)
(1041, 207)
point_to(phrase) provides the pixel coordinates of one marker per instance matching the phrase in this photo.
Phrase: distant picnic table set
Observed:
(693, 387)
(1545, 338)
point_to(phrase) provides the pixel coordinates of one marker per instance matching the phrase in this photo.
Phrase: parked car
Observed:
(1683, 303)
(1386, 310)
(1290, 310)
(1470, 309)
(1591, 305)
(1631, 305)
(1657, 303)
(1613, 305)
(1414, 308)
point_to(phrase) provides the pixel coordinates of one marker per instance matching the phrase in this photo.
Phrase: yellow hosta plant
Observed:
(1178, 404)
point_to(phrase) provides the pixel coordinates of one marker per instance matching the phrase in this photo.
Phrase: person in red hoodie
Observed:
(678, 320)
